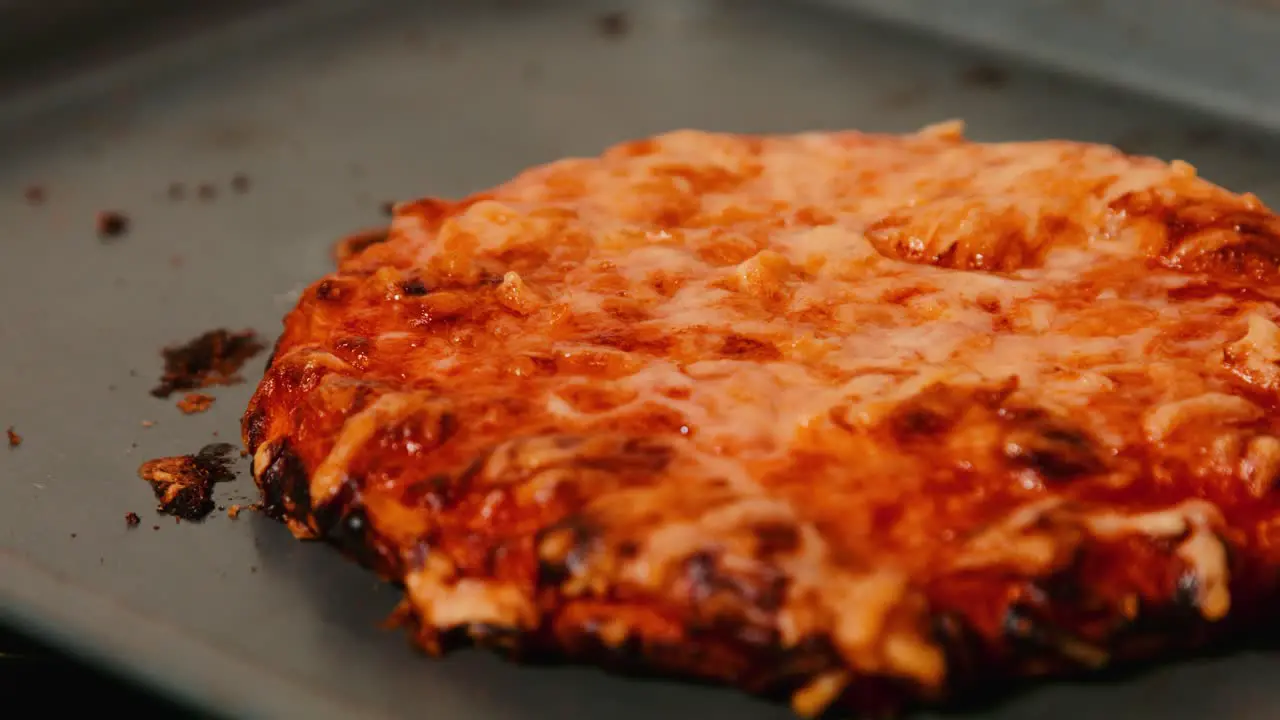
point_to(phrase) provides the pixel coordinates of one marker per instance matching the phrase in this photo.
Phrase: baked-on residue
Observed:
(865, 420)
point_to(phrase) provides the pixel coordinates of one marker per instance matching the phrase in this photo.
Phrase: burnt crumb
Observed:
(206, 191)
(613, 24)
(234, 511)
(14, 438)
(184, 484)
(193, 403)
(177, 191)
(112, 224)
(389, 208)
(240, 183)
(35, 195)
(131, 519)
(213, 358)
(985, 76)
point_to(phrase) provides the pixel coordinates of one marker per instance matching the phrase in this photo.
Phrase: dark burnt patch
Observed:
(741, 347)
(1052, 446)
(345, 523)
(328, 291)
(255, 426)
(776, 538)
(184, 484)
(286, 490)
(213, 358)
(564, 549)
(1028, 631)
(414, 288)
(723, 599)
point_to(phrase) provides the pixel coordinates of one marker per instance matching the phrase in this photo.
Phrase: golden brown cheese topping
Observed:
(828, 412)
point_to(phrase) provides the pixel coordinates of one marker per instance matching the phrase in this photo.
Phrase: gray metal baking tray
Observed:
(331, 107)
(1216, 55)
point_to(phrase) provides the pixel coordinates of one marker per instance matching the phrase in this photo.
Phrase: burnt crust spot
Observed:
(183, 484)
(213, 358)
(286, 489)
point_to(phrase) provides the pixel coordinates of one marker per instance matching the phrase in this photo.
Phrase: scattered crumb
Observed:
(73, 536)
(614, 24)
(357, 243)
(148, 423)
(234, 511)
(389, 208)
(177, 191)
(14, 438)
(177, 261)
(131, 519)
(206, 191)
(211, 359)
(112, 224)
(215, 433)
(35, 195)
(989, 77)
(184, 484)
(155, 527)
(253, 568)
(111, 388)
(193, 403)
(240, 183)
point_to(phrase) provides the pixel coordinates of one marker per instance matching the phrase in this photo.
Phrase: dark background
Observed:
(33, 673)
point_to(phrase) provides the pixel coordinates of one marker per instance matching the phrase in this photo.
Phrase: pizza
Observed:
(864, 421)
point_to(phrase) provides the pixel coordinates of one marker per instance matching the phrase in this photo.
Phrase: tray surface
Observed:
(331, 108)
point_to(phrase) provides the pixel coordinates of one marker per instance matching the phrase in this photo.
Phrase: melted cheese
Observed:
(913, 355)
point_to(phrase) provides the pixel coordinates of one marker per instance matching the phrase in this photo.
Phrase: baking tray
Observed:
(331, 108)
(1215, 55)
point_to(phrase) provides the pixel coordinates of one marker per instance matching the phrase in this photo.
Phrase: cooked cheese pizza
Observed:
(862, 421)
